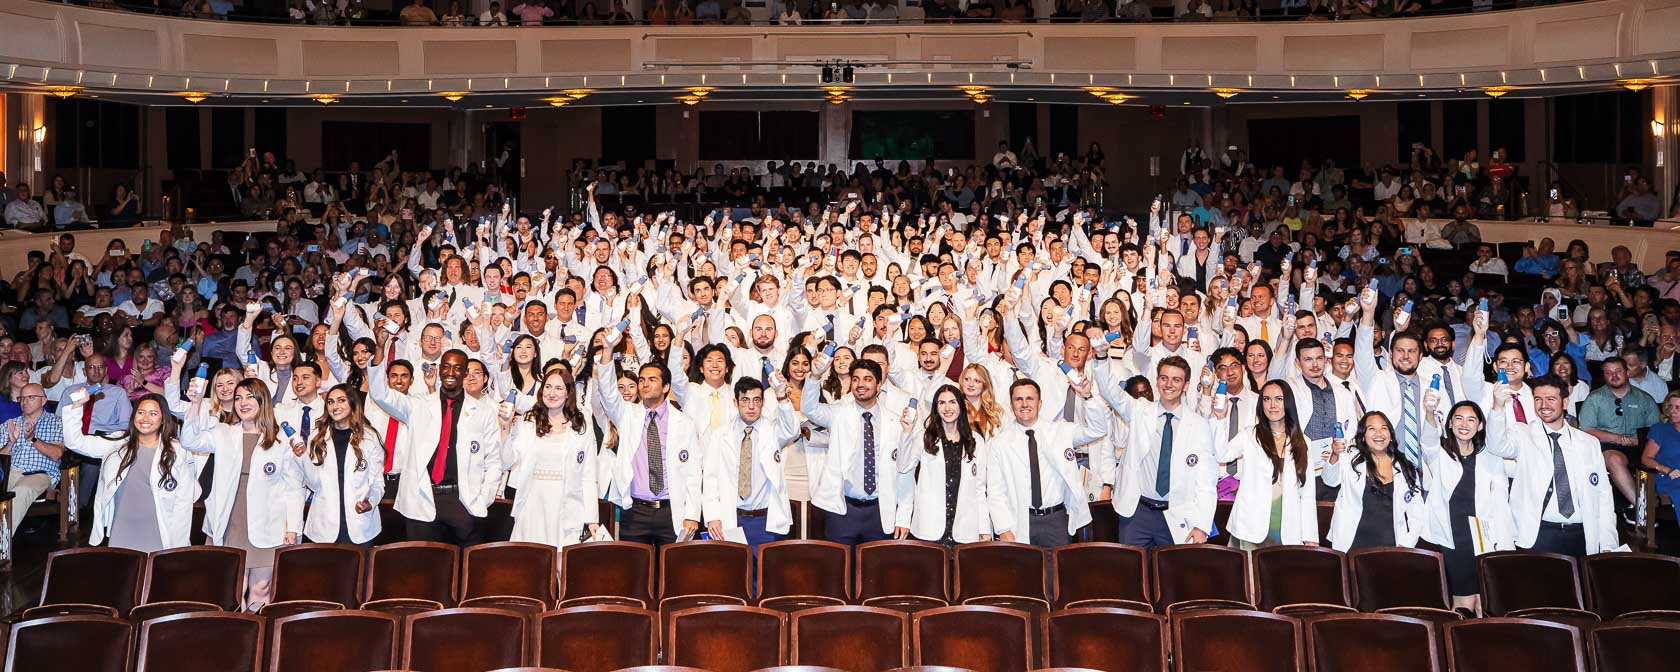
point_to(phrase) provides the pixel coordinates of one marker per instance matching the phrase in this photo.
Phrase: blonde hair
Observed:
(265, 412)
(987, 416)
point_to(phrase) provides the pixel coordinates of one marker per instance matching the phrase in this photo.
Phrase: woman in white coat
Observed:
(1380, 502)
(551, 451)
(146, 503)
(1469, 507)
(1276, 504)
(344, 469)
(953, 503)
(247, 504)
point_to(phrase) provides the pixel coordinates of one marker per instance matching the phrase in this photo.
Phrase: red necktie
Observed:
(390, 444)
(392, 355)
(443, 443)
(1521, 417)
(87, 416)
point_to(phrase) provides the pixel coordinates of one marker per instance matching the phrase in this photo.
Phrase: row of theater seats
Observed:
(904, 576)
(831, 639)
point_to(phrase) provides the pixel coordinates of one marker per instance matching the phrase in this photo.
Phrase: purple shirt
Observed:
(639, 475)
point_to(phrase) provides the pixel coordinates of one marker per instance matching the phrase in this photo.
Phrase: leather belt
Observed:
(862, 503)
(652, 503)
(1152, 504)
(1047, 510)
(751, 513)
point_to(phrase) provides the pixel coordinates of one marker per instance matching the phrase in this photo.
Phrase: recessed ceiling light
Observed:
(638, 101)
(489, 105)
(265, 101)
(405, 101)
(1031, 99)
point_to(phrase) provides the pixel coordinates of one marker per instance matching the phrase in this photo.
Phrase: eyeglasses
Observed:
(1618, 407)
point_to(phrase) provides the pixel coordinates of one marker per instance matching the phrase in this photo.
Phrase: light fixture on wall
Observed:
(1226, 92)
(1496, 91)
(194, 97)
(1658, 128)
(453, 96)
(38, 134)
(1358, 94)
(325, 98)
(1635, 85)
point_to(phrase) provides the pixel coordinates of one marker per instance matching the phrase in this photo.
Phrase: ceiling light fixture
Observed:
(1117, 98)
(558, 101)
(981, 98)
(1226, 92)
(453, 96)
(690, 99)
(325, 98)
(64, 91)
(701, 91)
(578, 94)
(1496, 91)
(972, 90)
(1635, 85)
(194, 97)
(1358, 94)
(1098, 91)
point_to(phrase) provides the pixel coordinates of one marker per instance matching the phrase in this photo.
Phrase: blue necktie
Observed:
(306, 411)
(1409, 420)
(1163, 468)
(868, 453)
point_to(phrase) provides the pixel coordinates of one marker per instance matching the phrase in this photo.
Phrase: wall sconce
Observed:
(39, 134)
(1657, 129)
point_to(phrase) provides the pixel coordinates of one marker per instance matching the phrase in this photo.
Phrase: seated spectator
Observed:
(622, 17)
(882, 10)
(125, 207)
(24, 213)
(708, 11)
(737, 14)
(1487, 263)
(532, 13)
(494, 16)
(659, 14)
(980, 9)
(1015, 10)
(418, 14)
(323, 12)
(790, 15)
(684, 14)
(1640, 206)
(70, 213)
(35, 440)
(455, 17)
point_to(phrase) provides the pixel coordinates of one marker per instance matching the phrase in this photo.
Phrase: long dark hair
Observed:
(1407, 469)
(935, 428)
(1291, 425)
(524, 376)
(568, 410)
(359, 426)
(168, 431)
(1449, 443)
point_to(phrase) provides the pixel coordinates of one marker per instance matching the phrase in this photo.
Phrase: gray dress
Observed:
(238, 525)
(136, 523)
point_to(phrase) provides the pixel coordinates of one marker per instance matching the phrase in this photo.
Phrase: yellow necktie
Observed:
(1265, 331)
(717, 412)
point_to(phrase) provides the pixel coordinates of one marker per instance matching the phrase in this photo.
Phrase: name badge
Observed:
(1190, 459)
(580, 457)
(1593, 479)
(268, 469)
(170, 484)
(361, 465)
(1068, 454)
(682, 456)
(474, 448)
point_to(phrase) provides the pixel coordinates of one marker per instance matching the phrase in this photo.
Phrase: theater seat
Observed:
(727, 638)
(334, 640)
(1513, 580)
(94, 575)
(464, 640)
(1632, 647)
(79, 643)
(1398, 577)
(213, 574)
(1371, 643)
(857, 639)
(983, 639)
(607, 572)
(510, 568)
(1298, 575)
(597, 638)
(216, 641)
(918, 571)
(1251, 641)
(1513, 644)
(325, 572)
(1198, 572)
(803, 569)
(1107, 639)
(421, 570)
(146, 612)
(705, 568)
(1099, 571)
(1623, 583)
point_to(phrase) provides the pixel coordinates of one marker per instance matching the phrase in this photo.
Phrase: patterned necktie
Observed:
(868, 453)
(306, 412)
(1409, 419)
(1163, 466)
(743, 477)
(1560, 479)
(1446, 383)
(1032, 470)
(655, 454)
(1518, 410)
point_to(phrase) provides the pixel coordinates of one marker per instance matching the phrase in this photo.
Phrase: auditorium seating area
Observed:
(708, 605)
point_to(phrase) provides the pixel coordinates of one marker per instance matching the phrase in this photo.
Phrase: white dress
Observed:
(554, 476)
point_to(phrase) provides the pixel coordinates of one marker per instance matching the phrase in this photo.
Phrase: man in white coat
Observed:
(656, 478)
(454, 462)
(1561, 498)
(1166, 485)
(743, 486)
(1039, 471)
(866, 497)
(305, 409)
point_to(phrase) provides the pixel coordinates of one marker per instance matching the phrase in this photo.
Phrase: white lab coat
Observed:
(1193, 483)
(478, 457)
(1251, 513)
(579, 487)
(266, 491)
(1056, 440)
(1492, 494)
(364, 481)
(1350, 503)
(980, 493)
(720, 491)
(682, 441)
(844, 420)
(174, 507)
(1590, 484)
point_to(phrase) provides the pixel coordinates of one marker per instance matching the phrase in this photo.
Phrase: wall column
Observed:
(1665, 109)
